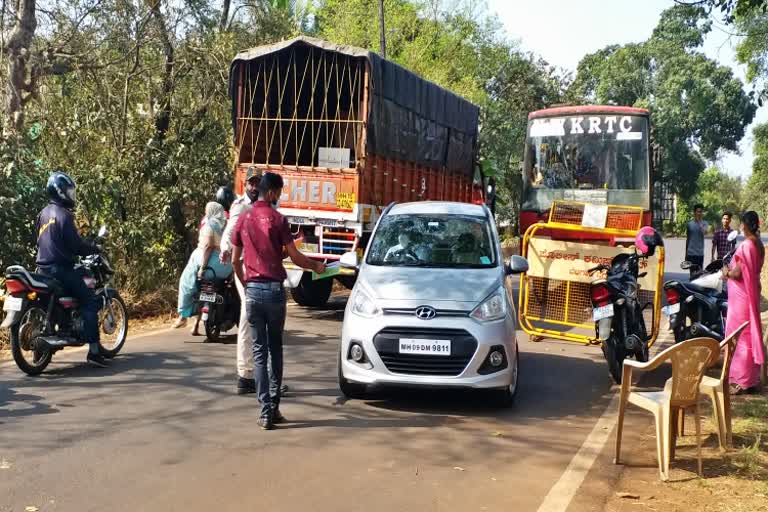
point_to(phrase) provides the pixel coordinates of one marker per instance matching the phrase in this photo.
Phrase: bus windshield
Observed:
(596, 159)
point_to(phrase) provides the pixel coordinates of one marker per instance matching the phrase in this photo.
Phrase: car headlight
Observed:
(492, 308)
(363, 305)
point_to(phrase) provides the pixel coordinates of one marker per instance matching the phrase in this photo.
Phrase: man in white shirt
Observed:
(245, 382)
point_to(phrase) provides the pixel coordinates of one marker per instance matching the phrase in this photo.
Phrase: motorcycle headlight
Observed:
(363, 305)
(492, 308)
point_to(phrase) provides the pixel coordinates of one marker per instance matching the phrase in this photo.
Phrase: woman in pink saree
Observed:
(743, 277)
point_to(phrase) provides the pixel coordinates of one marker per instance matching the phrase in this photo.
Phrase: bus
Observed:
(595, 154)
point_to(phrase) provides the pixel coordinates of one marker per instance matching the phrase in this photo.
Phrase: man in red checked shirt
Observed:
(260, 236)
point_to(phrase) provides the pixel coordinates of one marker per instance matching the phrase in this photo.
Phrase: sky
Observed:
(563, 31)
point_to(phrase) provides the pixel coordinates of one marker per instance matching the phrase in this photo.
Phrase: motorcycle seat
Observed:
(693, 288)
(34, 279)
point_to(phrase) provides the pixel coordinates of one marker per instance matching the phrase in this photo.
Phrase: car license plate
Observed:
(671, 309)
(13, 303)
(602, 312)
(207, 297)
(425, 347)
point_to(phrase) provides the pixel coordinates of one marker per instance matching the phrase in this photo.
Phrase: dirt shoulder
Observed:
(736, 481)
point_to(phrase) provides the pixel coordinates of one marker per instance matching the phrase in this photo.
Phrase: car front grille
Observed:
(463, 346)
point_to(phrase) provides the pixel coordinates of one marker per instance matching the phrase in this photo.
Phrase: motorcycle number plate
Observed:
(671, 309)
(207, 297)
(13, 303)
(602, 312)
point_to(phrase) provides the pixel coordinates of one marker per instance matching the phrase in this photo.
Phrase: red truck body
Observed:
(349, 132)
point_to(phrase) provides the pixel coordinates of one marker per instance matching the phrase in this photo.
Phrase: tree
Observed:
(697, 106)
(719, 192)
(757, 186)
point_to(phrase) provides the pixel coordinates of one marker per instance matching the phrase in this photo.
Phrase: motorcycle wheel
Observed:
(212, 330)
(113, 324)
(24, 342)
(614, 355)
(642, 354)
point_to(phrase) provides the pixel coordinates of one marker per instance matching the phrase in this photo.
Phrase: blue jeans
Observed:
(265, 306)
(72, 281)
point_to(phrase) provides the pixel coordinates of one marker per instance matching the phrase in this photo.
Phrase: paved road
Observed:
(162, 430)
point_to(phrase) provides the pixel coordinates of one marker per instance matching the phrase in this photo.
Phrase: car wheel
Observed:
(349, 389)
(505, 397)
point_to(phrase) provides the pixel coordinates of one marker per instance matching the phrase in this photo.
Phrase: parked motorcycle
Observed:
(618, 315)
(219, 304)
(43, 320)
(699, 307)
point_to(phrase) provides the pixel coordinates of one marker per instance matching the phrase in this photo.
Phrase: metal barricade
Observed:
(555, 297)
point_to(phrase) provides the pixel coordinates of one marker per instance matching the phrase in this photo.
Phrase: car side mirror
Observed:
(103, 232)
(517, 265)
(685, 265)
(349, 260)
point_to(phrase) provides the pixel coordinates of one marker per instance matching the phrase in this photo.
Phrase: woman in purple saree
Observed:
(743, 277)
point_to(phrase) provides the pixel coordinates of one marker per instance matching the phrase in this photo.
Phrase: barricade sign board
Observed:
(555, 298)
(571, 261)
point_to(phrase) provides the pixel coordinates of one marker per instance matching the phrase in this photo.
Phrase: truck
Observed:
(350, 133)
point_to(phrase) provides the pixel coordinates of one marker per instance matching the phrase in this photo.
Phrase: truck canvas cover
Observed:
(409, 118)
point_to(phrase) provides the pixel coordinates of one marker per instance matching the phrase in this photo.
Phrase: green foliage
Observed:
(21, 198)
(719, 192)
(694, 102)
(757, 186)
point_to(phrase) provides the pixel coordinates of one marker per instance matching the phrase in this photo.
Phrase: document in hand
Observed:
(331, 269)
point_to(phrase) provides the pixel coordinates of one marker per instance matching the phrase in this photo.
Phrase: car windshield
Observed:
(456, 241)
(598, 159)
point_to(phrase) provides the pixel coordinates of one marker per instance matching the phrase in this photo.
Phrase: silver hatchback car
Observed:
(432, 306)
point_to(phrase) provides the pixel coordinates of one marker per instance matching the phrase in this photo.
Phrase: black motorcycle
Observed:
(43, 320)
(219, 304)
(618, 314)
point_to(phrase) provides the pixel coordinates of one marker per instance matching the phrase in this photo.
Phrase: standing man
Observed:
(720, 238)
(245, 382)
(260, 237)
(694, 240)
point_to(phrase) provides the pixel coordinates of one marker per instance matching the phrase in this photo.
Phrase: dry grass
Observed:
(733, 482)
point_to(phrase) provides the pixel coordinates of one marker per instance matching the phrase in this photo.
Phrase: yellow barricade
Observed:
(555, 297)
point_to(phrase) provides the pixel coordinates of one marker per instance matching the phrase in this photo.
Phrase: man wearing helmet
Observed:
(58, 245)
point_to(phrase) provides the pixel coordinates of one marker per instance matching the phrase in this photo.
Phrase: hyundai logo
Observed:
(425, 313)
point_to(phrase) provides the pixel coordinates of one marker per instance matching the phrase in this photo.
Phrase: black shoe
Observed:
(97, 360)
(245, 386)
(266, 423)
(277, 416)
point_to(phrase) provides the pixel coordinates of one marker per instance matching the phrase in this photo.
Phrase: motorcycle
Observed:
(219, 305)
(43, 320)
(699, 307)
(618, 316)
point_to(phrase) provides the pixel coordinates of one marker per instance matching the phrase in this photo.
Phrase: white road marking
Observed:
(561, 494)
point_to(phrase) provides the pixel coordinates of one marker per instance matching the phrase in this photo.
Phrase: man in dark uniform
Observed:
(58, 245)
(261, 237)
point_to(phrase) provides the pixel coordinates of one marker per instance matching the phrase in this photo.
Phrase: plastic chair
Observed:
(717, 391)
(689, 359)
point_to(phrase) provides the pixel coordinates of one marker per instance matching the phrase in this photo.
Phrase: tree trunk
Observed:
(224, 20)
(163, 115)
(19, 49)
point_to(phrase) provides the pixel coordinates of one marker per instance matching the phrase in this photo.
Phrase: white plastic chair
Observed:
(689, 359)
(717, 391)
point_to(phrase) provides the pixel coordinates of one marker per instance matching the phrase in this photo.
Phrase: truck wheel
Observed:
(312, 293)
